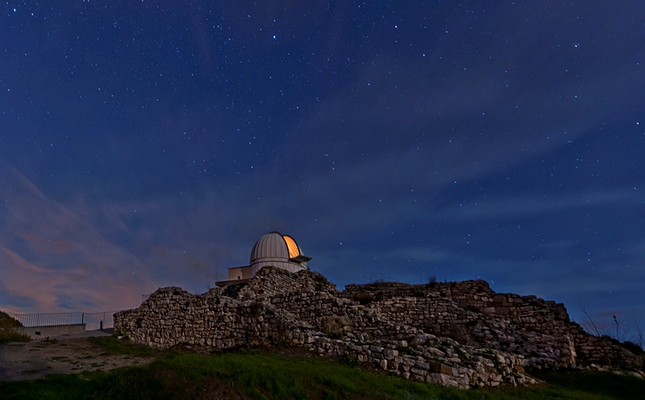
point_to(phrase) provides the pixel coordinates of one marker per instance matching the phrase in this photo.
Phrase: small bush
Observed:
(256, 308)
(334, 335)
(10, 335)
(8, 332)
(489, 354)
(473, 308)
(334, 326)
(407, 351)
(633, 347)
(7, 321)
(460, 353)
(363, 298)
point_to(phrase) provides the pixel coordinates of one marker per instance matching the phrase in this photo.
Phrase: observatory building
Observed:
(271, 250)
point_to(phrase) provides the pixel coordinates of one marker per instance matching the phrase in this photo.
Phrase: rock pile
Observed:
(459, 334)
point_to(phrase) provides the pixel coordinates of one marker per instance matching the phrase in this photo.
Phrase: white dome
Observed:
(277, 250)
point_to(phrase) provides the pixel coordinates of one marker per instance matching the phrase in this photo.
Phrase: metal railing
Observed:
(92, 321)
(99, 320)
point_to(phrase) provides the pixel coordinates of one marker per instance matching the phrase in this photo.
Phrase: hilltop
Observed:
(455, 334)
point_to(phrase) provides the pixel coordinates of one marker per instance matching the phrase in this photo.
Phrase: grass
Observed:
(113, 345)
(257, 375)
(606, 384)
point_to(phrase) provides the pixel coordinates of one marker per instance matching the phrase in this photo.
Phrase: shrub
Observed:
(633, 347)
(363, 298)
(334, 325)
(8, 332)
(407, 350)
(7, 321)
(334, 335)
(460, 353)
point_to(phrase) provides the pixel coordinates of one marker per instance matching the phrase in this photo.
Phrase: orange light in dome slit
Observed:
(293, 247)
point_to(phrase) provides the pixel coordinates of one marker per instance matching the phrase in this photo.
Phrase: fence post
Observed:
(82, 318)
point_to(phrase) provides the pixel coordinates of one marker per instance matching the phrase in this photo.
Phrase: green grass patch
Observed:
(54, 387)
(269, 376)
(601, 383)
(113, 345)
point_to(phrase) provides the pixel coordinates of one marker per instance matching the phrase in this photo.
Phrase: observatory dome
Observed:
(277, 250)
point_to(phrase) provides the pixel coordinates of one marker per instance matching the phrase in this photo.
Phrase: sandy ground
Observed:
(62, 355)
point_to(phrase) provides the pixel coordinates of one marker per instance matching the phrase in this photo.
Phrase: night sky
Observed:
(151, 143)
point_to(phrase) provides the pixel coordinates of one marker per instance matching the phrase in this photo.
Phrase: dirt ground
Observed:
(66, 355)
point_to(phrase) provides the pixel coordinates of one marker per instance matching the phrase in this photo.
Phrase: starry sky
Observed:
(151, 143)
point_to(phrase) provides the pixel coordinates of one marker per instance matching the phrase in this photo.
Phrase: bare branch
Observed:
(639, 336)
(588, 323)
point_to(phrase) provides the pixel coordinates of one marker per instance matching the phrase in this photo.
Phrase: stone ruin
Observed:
(457, 334)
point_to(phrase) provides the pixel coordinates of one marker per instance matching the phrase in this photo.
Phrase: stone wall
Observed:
(472, 312)
(460, 334)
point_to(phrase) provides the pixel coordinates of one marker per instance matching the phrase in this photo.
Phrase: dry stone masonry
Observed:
(458, 334)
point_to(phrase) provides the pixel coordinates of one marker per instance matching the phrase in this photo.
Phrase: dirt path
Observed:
(36, 359)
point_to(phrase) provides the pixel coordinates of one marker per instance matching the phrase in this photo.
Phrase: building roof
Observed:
(277, 247)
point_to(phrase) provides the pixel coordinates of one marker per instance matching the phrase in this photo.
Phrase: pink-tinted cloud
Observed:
(56, 258)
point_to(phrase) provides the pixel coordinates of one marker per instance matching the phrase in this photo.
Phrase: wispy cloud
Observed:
(54, 256)
(532, 205)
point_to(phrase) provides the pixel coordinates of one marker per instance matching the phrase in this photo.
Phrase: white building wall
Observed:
(289, 266)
